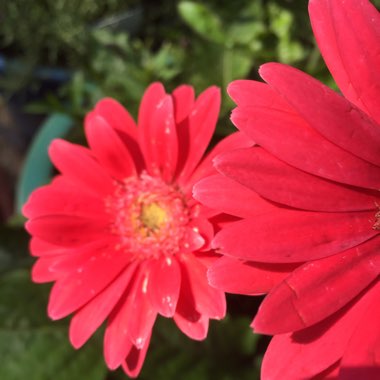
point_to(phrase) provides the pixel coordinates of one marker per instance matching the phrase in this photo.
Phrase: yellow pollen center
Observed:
(153, 216)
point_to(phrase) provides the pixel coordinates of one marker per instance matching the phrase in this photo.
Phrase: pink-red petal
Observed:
(78, 164)
(274, 179)
(40, 247)
(41, 270)
(306, 353)
(53, 200)
(153, 96)
(286, 236)
(201, 125)
(361, 359)
(206, 167)
(164, 285)
(317, 289)
(66, 230)
(225, 195)
(290, 138)
(116, 116)
(346, 29)
(86, 281)
(235, 276)
(108, 148)
(87, 320)
(130, 323)
(207, 300)
(143, 314)
(163, 144)
(331, 115)
(135, 359)
(183, 100)
(194, 328)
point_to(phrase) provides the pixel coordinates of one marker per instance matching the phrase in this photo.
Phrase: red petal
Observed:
(346, 29)
(251, 93)
(318, 289)
(108, 147)
(188, 319)
(201, 124)
(239, 277)
(143, 315)
(324, 110)
(225, 195)
(130, 323)
(116, 116)
(51, 199)
(308, 352)
(361, 359)
(206, 167)
(194, 328)
(192, 240)
(92, 315)
(119, 119)
(85, 282)
(66, 230)
(286, 236)
(116, 348)
(331, 373)
(163, 143)
(164, 284)
(289, 137)
(153, 95)
(183, 99)
(207, 300)
(135, 360)
(279, 182)
(77, 163)
(205, 229)
(40, 247)
(41, 270)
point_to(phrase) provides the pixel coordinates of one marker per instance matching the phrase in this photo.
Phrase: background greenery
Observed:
(61, 56)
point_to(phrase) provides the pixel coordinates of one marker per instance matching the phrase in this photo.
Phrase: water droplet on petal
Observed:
(139, 342)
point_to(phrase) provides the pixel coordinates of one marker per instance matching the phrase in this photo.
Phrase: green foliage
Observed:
(200, 43)
(53, 30)
(202, 20)
(31, 346)
(37, 169)
(13, 248)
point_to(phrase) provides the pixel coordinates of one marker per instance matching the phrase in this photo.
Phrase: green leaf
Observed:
(31, 346)
(37, 167)
(202, 20)
(13, 248)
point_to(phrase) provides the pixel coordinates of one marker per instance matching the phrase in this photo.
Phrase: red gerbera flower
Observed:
(314, 237)
(119, 232)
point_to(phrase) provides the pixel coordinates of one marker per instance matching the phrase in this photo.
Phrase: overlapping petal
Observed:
(108, 148)
(347, 29)
(118, 230)
(317, 162)
(316, 348)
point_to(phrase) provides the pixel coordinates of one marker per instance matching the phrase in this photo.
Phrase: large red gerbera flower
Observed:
(119, 232)
(313, 240)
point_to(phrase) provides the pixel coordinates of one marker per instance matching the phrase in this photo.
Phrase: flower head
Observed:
(118, 230)
(312, 239)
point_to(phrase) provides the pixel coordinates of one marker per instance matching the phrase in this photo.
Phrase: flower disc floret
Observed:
(149, 216)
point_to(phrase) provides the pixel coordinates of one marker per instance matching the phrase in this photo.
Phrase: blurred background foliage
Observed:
(57, 58)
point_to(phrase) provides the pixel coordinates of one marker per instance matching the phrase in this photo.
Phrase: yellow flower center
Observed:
(150, 217)
(153, 216)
